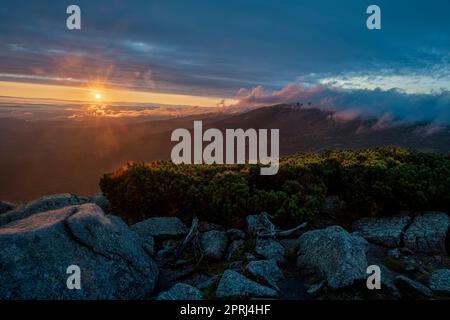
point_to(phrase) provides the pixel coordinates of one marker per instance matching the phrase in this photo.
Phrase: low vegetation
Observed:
(372, 182)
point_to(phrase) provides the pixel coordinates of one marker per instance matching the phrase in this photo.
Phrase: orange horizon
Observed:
(107, 94)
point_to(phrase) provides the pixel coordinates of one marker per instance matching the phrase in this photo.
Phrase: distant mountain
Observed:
(310, 129)
(45, 157)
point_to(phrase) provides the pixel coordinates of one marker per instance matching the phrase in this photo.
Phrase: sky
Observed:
(234, 52)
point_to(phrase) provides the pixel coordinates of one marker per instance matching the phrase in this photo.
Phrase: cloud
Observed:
(388, 106)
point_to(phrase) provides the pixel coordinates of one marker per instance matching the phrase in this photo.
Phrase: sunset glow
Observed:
(87, 94)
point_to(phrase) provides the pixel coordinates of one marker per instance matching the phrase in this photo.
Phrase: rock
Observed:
(202, 281)
(316, 288)
(148, 244)
(395, 253)
(334, 254)
(101, 201)
(181, 291)
(427, 234)
(388, 282)
(214, 280)
(234, 249)
(214, 244)
(249, 257)
(259, 223)
(235, 285)
(440, 281)
(35, 253)
(332, 206)
(205, 226)
(6, 206)
(383, 231)
(166, 252)
(235, 234)
(238, 266)
(412, 289)
(161, 228)
(43, 204)
(270, 250)
(266, 271)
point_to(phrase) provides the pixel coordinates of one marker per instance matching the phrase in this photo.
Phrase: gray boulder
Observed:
(43, 204)
(202, 281)
(181, 291)
(315, 288)
(35, 253)
(101, 201)
(214, 243)
(412, 289)
(161, 228)
(386, 232)
(266, 271)
(6, 206)
(235, 285)
(334, 254)
(427, 234)
(440, 281)
(148, 244)
(270, 250)
(259, 223)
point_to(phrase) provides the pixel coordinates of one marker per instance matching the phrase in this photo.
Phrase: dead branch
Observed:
(273, 233)
(193, 232)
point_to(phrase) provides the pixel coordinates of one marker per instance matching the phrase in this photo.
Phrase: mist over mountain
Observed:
(46, 157)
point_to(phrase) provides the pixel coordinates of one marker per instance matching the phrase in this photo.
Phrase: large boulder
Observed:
(101, 201)
(334, 254)
(440, 281)
(386, 232)
(35, 254)
(6, 206)
(266, 271)
(43, 204)
(214, 243)
(161, 228)
(181, 291)
(270, 249)
(235, 285)
(427, 234)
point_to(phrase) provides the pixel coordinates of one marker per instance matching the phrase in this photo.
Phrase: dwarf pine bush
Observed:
(372, 182)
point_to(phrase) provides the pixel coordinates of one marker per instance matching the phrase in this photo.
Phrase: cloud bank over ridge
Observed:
(386, 105)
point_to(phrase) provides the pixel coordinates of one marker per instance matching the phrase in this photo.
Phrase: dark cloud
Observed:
(215, 48)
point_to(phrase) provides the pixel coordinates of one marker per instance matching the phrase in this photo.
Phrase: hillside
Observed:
(46, 157)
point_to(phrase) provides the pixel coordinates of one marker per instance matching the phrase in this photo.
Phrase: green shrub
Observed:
(372, 182)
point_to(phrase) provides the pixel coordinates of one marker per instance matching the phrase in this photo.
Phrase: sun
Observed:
(98, 96)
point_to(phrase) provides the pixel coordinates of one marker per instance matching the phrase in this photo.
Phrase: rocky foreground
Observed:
(163, 258)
